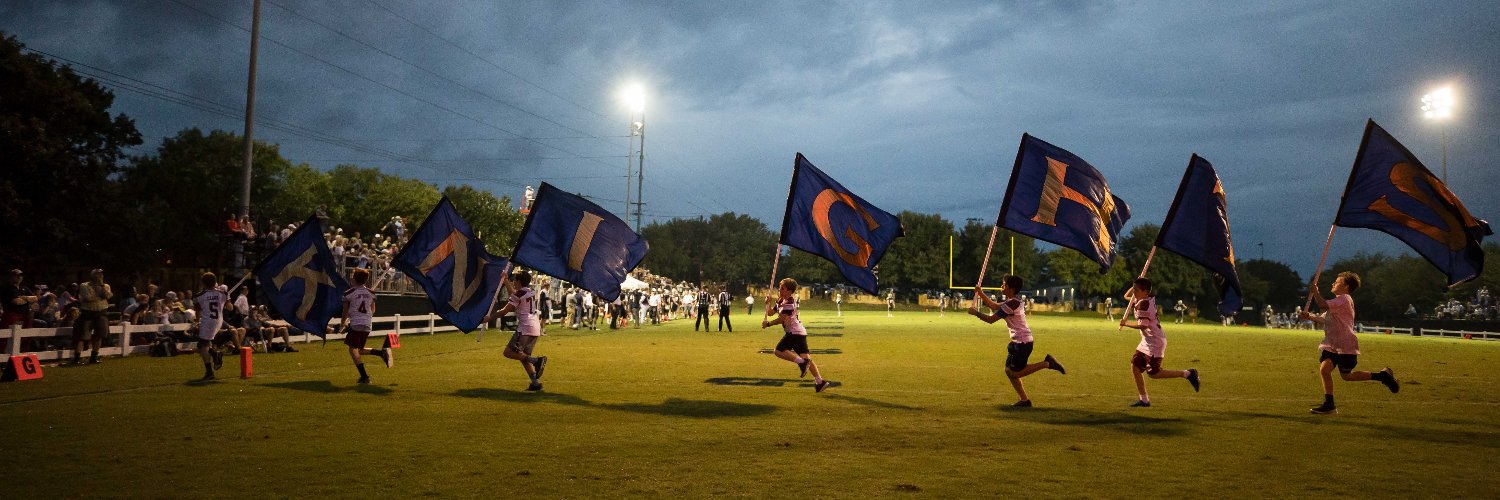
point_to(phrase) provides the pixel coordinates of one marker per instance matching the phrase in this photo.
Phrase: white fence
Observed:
(1428, 332)
(123, 332)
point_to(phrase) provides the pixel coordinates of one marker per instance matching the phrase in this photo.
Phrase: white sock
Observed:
(1145, 399)
(800, 360)
(817, 380)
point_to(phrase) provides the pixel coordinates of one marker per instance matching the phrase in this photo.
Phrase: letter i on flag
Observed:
(459, 275)
(1057, 197)
(825, 219)
(301, 280)
(1390, 191)
(576, 240)
(1197, 227)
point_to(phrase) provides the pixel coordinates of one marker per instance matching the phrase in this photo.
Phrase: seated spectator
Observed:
(132, 312)
(17, 301)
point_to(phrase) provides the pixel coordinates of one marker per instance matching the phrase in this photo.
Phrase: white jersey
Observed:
(1153, 339)
(1015, 320)
(791, 321)
(361, 304)
(523, 302)
(211, 303)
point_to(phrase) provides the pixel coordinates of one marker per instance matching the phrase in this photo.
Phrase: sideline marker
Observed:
(247, 368)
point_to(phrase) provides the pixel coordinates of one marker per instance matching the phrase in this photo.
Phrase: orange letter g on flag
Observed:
(820, 209)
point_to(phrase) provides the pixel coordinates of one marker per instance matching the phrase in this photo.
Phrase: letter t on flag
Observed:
(576, 240)
(301, 281)
(459, 275)
(825, 219)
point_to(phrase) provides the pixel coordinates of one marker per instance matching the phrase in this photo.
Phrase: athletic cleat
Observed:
(818, 387)
(803, 367)
(1192, 378)
(1024, 403)
(534, 387)
(94, 360)
(288, 348)
(1053, 364)
(363, 381)
(541, 364)
(1390, 380)
(1325, 409)
(389, 356)
(207, 377)
(218, 359)
(1140, 404)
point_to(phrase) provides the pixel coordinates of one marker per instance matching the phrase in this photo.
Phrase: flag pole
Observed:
(504, 277)
(1318, 273)
(1131, 307)
(240, 282)
(995, 230)
(776, 260)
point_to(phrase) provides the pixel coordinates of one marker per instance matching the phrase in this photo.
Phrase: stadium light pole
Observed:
(635, 102)
(1438, 105)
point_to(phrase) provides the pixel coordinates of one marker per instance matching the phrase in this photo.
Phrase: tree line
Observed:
(75, 198)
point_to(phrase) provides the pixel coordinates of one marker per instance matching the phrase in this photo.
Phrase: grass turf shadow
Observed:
(327, 387)
(694, 408)
(1381, 431)
(810, 351)
(766, 382)
(871, 402)
(522, 396)
(1114, 421)
(674, 407)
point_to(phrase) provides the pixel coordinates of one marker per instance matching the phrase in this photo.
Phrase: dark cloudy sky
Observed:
(914, 105)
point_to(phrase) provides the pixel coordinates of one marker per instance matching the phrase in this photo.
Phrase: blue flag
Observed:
(1197, 227)
(459, 275)
(1057, 197)
(575, 240)
(1390, 191)
(825, 219)
(301, 280)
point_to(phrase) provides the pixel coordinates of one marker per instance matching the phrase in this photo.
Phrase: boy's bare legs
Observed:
(1140, 383)
(1015, 381)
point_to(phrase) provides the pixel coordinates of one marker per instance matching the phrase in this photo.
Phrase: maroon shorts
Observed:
(1145, 363)
(356, 339)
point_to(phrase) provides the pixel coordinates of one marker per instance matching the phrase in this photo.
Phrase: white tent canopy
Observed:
(631, 283)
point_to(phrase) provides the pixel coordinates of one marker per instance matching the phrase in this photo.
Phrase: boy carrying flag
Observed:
(522, 301)
(1019, 351)
(1340, 348)
(358, 319)
(1153, 346)
(793, 345)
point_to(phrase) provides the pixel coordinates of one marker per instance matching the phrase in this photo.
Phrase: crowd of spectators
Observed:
(1479, 308)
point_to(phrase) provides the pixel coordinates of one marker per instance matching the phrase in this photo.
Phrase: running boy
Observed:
(1019, 351)
(528, 328)
(357, 320)
(793, 345)
(1153, 346)
(1340, 347)
(210, 307)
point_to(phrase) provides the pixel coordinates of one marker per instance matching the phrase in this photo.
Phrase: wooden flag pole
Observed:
(1131, 306)
(504, 277)
(995, 230)
(1318, 273)
(237, 284)
(775, 261)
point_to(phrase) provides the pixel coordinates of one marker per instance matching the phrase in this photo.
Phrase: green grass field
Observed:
(921, 411)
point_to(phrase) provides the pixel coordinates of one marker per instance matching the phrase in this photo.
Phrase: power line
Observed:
(378, 83)
(482, 58)
(430, 72)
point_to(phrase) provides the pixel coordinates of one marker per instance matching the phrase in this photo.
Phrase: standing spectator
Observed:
(1182, 308)
(16, 300)
(749, 304)
(397, 226)
(93, 324)
(838, 303)
(236, 316)
(724, 305)
(322, 214)
(588, 310)
(654, 303)
(890, 303)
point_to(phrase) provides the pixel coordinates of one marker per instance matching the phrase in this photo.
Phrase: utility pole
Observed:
(249, 125)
